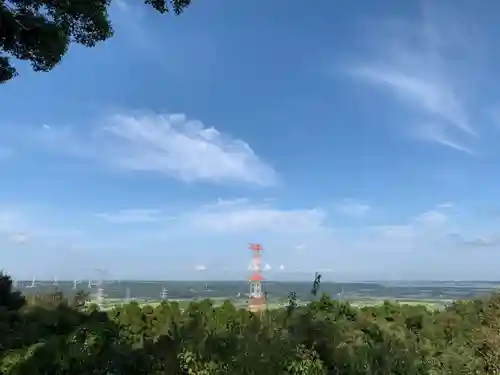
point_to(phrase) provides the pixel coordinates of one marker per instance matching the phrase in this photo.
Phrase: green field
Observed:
(433, 304)
(433, 294)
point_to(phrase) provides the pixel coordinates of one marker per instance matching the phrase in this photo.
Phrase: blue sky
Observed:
(359, 139)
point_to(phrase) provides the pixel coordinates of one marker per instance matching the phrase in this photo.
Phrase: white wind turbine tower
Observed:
(54, 281)
(341, 294)
(33, 283)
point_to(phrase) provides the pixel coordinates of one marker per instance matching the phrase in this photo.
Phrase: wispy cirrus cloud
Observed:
(437, 133)
(416, 61)
(221, 217)
(187, 149)
(167, 144)
(244, 216)
(133, 216)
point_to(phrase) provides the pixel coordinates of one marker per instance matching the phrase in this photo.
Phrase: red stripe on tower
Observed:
(256, 301)
(255, 247)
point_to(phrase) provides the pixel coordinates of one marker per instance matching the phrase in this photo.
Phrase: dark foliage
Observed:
(40, 31)
(49, 335)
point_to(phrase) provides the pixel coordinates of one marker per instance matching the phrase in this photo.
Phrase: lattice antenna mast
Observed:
(164, 294)
(256, 302)
(100, 287)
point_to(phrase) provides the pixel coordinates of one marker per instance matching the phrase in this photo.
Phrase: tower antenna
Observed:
(100, 287)
(164, 294)
(256, 302)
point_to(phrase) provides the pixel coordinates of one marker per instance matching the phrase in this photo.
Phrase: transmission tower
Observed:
(256, 302)
(164, 294)
(100, 286)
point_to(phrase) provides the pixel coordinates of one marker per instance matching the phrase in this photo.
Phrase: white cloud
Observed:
(236, 216)
(431, 218)
(133, 216)
(431, 97)
(184, 148)
(417, 63)
(243, 216)
(168, 144)
(435, 133)
(350, 207)
(353, 251)
(446, 205)
(20, 237)
(429, 223)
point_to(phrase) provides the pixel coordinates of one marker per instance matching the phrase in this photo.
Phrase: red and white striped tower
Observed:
(256, 302)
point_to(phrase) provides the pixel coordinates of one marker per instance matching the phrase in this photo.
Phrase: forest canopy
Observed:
(49, 334)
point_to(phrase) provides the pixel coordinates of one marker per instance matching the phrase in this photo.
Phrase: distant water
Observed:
(231, 289)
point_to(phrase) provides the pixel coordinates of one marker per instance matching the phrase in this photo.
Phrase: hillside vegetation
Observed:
(51, 335)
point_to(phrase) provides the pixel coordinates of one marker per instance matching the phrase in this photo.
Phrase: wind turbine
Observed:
(341, 294)
(33, 283)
